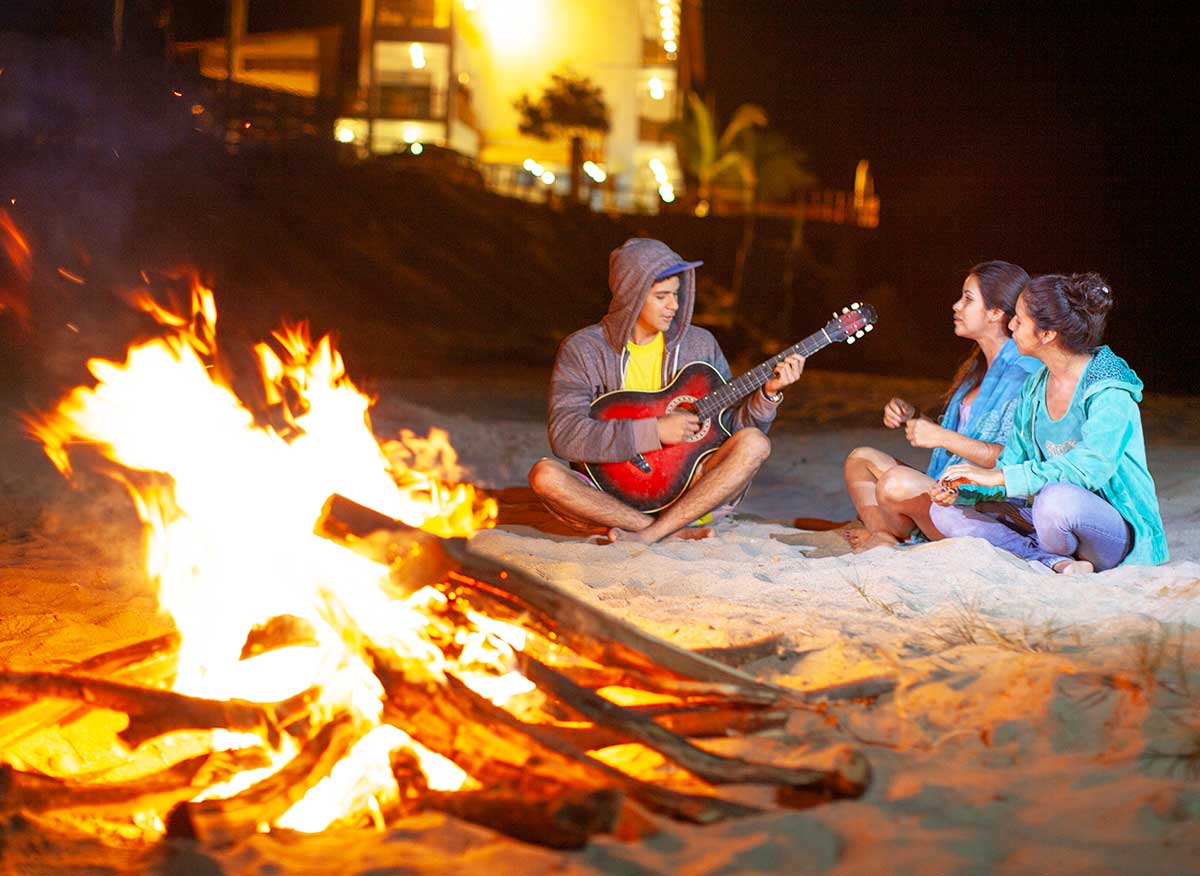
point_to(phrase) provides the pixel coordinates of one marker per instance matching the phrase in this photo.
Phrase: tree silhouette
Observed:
(572, 107)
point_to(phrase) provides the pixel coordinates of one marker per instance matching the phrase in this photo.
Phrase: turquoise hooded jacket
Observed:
(1109, 460)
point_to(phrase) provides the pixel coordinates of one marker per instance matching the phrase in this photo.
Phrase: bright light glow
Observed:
(416, 148)
(659, 169)
(548, 177)
(411, 133)
(666, 15)
(533, 167)
(470, 5)
(594, 171)
(667, 192)
(670, 46)
(668, 34)
(464, 78)
(513, 26)
(417, 52)
(657, 90)
(345, 135)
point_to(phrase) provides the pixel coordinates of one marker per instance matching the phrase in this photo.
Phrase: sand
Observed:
(1041, 723)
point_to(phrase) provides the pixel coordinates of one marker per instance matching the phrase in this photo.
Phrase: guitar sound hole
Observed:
(688, 403)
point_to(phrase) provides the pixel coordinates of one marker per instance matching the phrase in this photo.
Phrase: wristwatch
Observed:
(773, 399)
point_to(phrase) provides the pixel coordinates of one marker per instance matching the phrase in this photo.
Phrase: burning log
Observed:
(152, 712)
(695, 721)
(498, 749)
(625, 655)
(437, 718)
(34, 792)
(714, 769)
(550, 611)
(152, 660)
(566, 820)
(224, 821)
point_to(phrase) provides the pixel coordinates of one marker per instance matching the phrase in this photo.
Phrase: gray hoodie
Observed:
(592, 361)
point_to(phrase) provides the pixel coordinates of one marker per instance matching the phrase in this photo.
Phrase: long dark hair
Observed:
(1076, 306)
(1000, 283)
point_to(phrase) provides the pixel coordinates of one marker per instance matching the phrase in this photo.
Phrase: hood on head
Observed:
(632, 268)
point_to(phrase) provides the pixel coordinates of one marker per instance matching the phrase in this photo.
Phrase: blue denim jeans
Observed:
(1065, 522)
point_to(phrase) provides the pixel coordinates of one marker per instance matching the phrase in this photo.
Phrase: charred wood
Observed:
(710, 767)
(227, 820)
(151, 711)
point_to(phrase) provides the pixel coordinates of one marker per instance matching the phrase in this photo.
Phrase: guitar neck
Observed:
(736, 390)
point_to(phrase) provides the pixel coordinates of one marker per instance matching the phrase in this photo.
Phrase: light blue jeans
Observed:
(1066, 522)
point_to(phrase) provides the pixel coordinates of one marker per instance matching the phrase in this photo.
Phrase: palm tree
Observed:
(571, 106)
(709, 156)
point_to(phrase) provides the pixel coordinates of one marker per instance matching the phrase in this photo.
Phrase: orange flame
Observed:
(19, 255)
(228, 504)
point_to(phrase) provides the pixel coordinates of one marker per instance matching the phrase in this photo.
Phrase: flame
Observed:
(228, 498)
(17, 251)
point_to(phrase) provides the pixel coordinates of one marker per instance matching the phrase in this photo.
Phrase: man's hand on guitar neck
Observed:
(677, 427)
(786, 373)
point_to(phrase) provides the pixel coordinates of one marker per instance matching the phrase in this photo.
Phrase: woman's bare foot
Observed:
(874, 540)
(1074, 567)
(856, 535)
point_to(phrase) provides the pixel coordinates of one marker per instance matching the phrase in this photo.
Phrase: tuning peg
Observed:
(859, 333)
(855, 306)
(850, 340)
(845, 310)
(870, 327)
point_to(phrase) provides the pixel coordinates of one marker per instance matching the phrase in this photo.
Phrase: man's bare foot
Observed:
(1074, 567)
(876, 539)
(691, 533)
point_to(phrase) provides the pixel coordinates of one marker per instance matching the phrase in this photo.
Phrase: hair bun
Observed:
(1089, 292)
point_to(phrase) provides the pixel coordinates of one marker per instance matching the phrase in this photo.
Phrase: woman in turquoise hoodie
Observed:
(1071, 488)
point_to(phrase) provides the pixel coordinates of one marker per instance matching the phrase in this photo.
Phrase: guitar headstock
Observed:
(852, 323)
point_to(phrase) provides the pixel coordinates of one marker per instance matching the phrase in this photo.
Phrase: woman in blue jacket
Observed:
(1071, 488)
(890, 497)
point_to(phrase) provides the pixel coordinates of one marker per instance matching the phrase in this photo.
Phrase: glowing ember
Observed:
(229, 497)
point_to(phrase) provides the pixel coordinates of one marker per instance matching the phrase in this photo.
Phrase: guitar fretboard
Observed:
(731, 393)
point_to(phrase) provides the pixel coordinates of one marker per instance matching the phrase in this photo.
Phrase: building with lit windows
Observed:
(446, 73)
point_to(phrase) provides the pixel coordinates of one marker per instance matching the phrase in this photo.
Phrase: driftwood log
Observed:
(506, 593)
(432, 718)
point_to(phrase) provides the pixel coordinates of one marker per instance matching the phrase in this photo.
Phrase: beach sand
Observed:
(1040, 723)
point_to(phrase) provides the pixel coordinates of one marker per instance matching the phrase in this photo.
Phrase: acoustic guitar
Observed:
(651, 481)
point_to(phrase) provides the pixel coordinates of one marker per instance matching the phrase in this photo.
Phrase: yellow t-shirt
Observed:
(644, 371)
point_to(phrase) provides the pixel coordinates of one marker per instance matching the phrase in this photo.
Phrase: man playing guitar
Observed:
(641, 344)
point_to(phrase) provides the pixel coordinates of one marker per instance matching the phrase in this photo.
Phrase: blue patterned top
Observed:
(992, 410)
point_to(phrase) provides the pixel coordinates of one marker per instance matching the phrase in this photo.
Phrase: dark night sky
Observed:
(1060, 141)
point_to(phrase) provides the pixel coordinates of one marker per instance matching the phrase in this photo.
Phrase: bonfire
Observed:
(340, 656)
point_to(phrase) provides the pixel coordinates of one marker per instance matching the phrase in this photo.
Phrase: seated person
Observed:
(1071, 488)
(645, 339)
(892, 498)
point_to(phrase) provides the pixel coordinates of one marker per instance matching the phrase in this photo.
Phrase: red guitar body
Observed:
(673, 467)
(652, 481)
